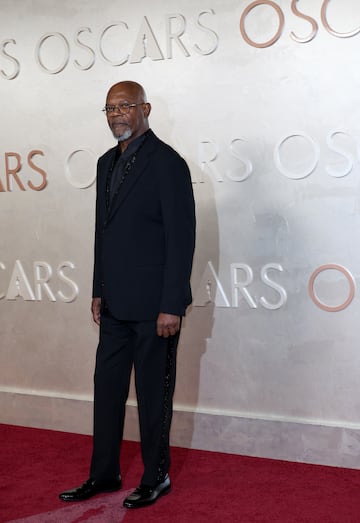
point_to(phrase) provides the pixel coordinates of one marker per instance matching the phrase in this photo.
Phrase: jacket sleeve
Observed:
(178, 213)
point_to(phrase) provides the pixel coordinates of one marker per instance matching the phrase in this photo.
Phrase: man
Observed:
(144, 243)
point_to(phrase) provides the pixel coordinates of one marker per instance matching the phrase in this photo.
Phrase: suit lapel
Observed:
(106, 167)
(135, 174)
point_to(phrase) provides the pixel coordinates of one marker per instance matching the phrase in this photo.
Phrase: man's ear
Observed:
(147, 109)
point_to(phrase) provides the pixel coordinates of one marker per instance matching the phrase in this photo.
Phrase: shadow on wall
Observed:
(198, 324)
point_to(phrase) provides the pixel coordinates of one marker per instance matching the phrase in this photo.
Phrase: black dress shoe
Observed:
(145, 495)
(90, 488)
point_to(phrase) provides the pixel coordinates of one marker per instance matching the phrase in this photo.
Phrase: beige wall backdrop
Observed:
(262, 100)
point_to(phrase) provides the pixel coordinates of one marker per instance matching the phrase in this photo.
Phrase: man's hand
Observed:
(95, 309)
(167, 324)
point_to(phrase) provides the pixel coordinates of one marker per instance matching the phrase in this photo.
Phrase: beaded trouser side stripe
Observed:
(169, 383)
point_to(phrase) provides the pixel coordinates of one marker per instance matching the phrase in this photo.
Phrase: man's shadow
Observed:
(198, 324)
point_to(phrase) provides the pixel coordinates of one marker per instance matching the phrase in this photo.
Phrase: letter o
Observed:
(79, 184)
(247, 10)
(287, 172)
(62, 66)
(347, 275)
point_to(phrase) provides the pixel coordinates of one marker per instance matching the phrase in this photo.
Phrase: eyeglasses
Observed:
(120, 108)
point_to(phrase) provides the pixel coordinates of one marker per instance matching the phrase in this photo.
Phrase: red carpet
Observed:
(207, 487)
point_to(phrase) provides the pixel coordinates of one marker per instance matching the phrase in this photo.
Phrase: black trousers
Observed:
(122, 345)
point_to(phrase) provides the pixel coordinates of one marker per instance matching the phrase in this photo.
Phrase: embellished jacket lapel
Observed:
(136, 172)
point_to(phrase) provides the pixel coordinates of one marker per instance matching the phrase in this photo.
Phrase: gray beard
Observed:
(124, 136)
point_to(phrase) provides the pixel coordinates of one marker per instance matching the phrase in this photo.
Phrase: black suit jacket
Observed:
(144, 242)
